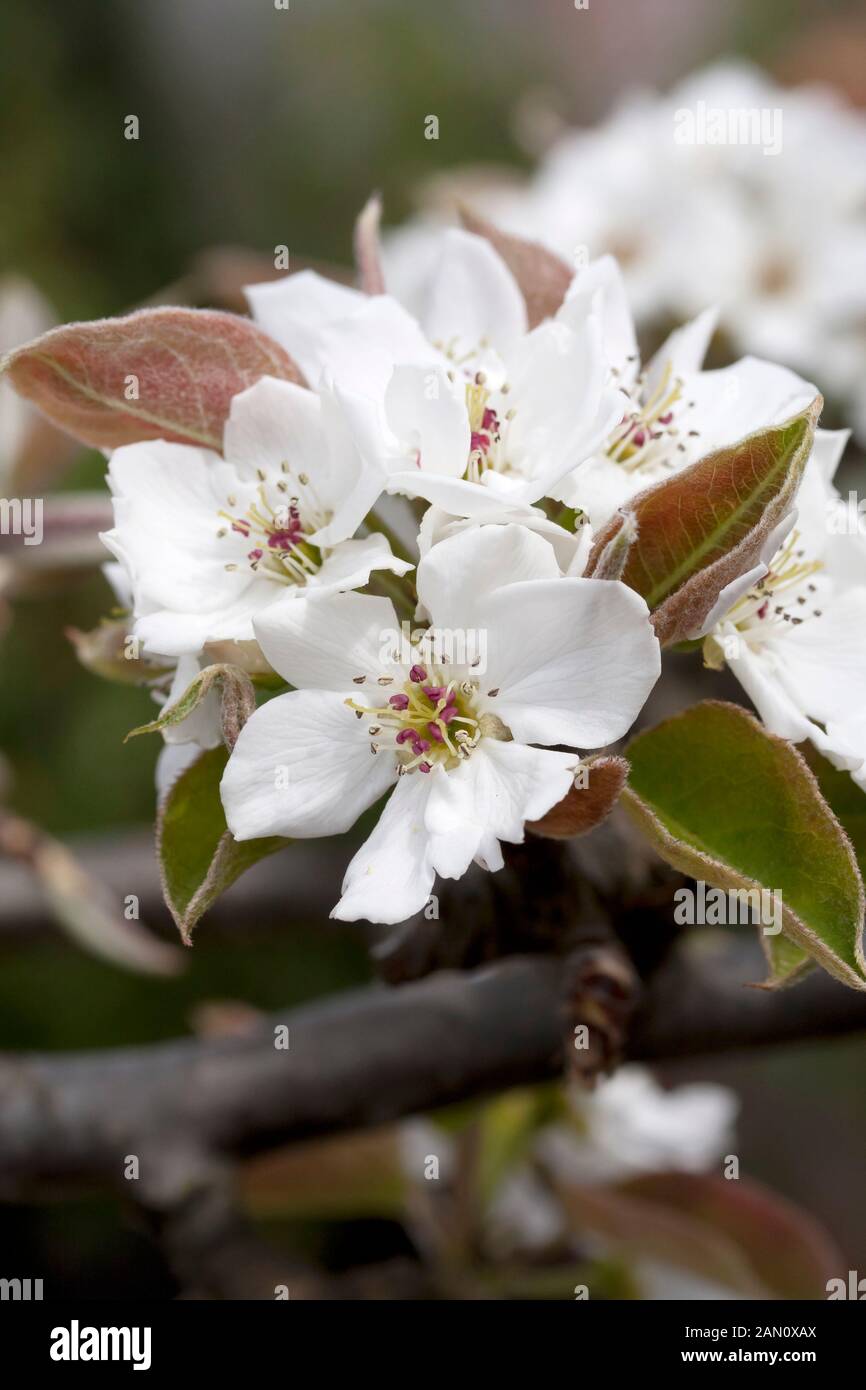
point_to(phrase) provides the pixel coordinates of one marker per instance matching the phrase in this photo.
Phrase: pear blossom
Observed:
(705, 220)
(568, 662)
(208, 542)
(571, 548)
(465, 407)
(631, 1125)
(628, 1126)
(791, 628)
(676, 413)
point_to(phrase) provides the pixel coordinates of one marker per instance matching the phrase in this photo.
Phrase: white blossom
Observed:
(465, 408)
(727, 190)
(791, 630)
(567, 662)
(209, 542)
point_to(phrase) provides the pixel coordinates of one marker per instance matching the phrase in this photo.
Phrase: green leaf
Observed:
(786, 960)
(847, 800)
(706, 526)
(199, 858)
(725, 801)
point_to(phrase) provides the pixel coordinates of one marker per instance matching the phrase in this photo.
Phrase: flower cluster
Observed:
(701, 194)
(452, 467)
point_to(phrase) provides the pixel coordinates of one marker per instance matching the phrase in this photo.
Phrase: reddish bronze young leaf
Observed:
(584, 807)
(367, 257)
(155, 374)
(739, 1235)
(706, 526)
(542, 277)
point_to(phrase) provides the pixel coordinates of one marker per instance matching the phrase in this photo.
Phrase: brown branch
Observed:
(186, 1109)
(372, 1056)
(701, 1003)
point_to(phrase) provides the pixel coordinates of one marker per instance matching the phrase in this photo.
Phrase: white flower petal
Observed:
(823, 659)
(599, 289)
(271, 423)
(563, 410)
(456, 575)
(117, 576)
(463, 498)
(630, 1125)
(490, 797)
(294, 311)
(355, 338)
(489, 854)
(360, 355)
(309, 741)
(350, 564)
(473, 297)
(324, 643)
(276, 422)
(684, 349)
(827, 451)
(573, 660)
(349, 478)
(570, 548)
(429, 419)
(599, 486)
(735, 401)
(456, 823)
(737, 588)
(584, 539)
(846, 744)
(391, 877)
(167, 503)
(167, 632)
(303, 298)
(779, 712)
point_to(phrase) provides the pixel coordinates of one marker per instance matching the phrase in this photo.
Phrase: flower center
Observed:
(278, 522)
(487, 449)
(648, 432)
(760, 614)
(488, 417)
(430, 720)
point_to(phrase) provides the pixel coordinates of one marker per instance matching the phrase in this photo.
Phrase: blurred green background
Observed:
(260, 127)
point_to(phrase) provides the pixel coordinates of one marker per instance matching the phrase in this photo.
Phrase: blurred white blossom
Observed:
(775, 236)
